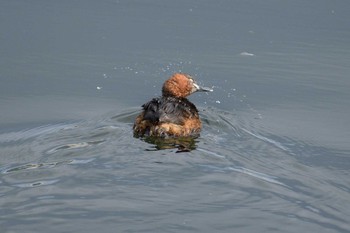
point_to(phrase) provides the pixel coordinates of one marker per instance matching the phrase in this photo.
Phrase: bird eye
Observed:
(190, 78)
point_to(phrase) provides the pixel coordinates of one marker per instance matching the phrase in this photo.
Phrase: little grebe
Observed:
(171, 114)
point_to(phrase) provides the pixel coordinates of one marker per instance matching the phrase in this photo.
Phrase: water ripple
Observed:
(236, 166)
(258, 175)
(36, 183)
(71, 146)
(27, 134)
(32, 166)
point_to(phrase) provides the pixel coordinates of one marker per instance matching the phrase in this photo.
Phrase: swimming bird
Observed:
(172, 114)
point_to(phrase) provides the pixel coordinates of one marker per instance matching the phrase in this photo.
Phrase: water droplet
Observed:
(247, 54)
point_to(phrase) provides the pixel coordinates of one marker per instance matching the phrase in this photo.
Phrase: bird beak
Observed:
(203, 89)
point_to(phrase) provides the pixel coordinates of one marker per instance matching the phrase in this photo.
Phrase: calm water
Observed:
(274, 153)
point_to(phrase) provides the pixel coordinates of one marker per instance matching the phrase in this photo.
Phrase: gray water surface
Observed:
(274, 152)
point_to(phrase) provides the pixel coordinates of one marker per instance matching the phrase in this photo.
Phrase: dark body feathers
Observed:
(169, 110)
(168, 116)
